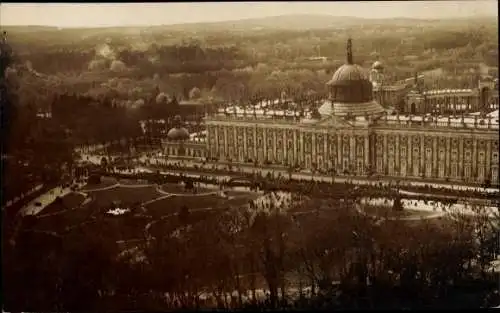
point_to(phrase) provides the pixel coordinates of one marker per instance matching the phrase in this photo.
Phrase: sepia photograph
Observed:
(249, 156)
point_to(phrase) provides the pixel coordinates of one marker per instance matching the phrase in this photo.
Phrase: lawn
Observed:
(71, 200)
(105, 182)
(133, 182)
(67, 218)
(69, 213)
(166, 226)
(179, 189)
(125, 227)
(173, 204)
(127, 196)
(389, 212)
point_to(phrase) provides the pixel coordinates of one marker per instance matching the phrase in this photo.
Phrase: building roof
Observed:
(447, 91)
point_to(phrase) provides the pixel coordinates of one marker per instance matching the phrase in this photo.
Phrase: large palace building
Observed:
(351, 133)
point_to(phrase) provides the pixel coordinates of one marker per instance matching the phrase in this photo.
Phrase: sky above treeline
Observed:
(144, 14)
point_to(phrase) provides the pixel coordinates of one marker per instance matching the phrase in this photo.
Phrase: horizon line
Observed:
(249, 19)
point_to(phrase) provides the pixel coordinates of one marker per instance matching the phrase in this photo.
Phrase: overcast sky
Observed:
(125, 14)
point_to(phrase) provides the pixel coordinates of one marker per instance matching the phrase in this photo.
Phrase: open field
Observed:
(68, 201)
(161, 205)
(105, 182)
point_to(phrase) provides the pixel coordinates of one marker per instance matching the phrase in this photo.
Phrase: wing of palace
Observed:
(427, 134)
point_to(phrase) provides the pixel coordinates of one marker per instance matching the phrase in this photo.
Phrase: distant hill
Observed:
(283, 22)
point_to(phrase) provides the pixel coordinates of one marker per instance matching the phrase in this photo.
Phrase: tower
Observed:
(377, 74)
(486, 87)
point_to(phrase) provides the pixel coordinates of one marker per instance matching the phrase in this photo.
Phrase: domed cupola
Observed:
(378, 66)
(349, 84)
(178, 133)
(351, 92)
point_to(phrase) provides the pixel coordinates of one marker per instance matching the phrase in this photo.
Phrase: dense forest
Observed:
(130, 64)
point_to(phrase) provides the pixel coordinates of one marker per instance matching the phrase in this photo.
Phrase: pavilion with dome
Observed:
(178, 142)
(351, 133)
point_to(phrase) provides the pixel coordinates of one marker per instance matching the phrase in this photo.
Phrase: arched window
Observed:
(413, 108)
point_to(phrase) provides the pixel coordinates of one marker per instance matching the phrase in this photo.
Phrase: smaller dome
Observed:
(178, 133)
(162, 98)
(378, 65)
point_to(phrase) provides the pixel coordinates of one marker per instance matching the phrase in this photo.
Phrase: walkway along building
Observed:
(350, 133)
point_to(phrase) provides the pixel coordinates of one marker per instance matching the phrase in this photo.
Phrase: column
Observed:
(313, 148)
(245, 144)
(488, 157)
(339, 149)
(295, 151)
(422, 154)
(226, 150)
(396, 156)
(352, 151)
(301, 147)
(435, 154)
(409, 164)
(461, 157)
(474, 158)
(284, 146)
(264, 143)
(255, 142)
(236, 149)
(447, 165)
(385, 155)
(326, 154)
(216, 141)
(366, 151)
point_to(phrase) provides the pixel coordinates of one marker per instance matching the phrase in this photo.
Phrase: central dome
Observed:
(351, 91)
(346, 74)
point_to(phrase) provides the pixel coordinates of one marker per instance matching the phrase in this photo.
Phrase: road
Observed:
(157, 160)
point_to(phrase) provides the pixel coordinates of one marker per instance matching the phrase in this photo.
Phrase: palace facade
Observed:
(352, 134)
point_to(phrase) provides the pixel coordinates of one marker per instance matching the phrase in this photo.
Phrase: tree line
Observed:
(347, 259)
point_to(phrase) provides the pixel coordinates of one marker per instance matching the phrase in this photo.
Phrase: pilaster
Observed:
(245, 143)
(352, 151)
(295, 156)
(385, 156)
(422, 155)
(226, 150)
(284, 147)
(397, 155)
(488, 157)
(461, 158)
(313, 148)
(339, 150)
(435, 154)
(409, 155)
(217, 140)
(475, 165)
(236, 148)
(366, 152)
(255, 141)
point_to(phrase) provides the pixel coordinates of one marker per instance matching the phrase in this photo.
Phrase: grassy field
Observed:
(71, 200)
(389, 212)
(173, 204)
(179, 189)
(67, 213)
(126, 196)
(105, 182)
